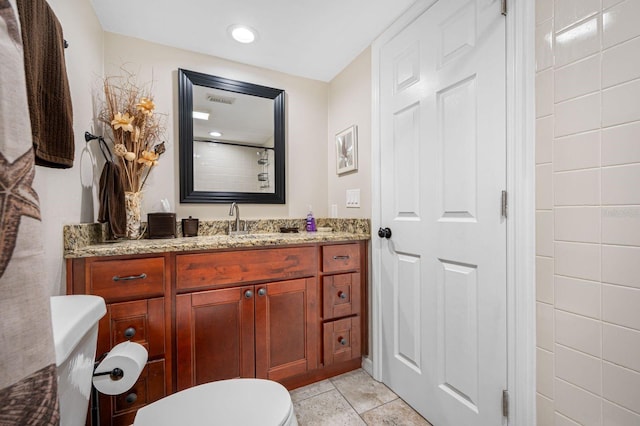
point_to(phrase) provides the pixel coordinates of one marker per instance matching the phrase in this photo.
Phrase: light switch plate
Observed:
(353, 198)
(334, 210)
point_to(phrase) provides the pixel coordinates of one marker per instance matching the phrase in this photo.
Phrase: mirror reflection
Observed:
(231, 140)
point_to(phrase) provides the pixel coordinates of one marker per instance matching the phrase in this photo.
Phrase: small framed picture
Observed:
(347, 150)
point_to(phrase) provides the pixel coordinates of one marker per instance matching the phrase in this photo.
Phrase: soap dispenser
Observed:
(311, 221)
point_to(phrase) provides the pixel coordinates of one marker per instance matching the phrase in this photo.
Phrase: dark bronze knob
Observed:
(248, 294)
(342, 295)
(129, 333)
(262, 292)
(384, 233)
(342, 340)
(131, 398)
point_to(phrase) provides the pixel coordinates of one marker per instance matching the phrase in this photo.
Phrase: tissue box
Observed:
(161, 225)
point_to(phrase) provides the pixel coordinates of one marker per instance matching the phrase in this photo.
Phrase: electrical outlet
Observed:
(353, 198)
(334, 210)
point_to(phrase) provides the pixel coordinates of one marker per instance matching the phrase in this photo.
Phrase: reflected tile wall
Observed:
(588, 212)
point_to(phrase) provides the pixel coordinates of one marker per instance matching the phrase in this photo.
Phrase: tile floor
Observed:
(352, 398)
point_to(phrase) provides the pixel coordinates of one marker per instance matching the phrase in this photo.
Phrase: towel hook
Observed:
(88, 137)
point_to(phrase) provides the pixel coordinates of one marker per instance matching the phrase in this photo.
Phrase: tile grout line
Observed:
(347, 399)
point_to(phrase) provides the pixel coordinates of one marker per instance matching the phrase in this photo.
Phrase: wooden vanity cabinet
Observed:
(294, 314)
(135, 290)
(265, 330)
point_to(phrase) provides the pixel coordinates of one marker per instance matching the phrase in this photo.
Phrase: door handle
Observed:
(384, 233)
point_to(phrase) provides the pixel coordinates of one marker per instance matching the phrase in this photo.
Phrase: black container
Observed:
(190, 227)
(161, 225)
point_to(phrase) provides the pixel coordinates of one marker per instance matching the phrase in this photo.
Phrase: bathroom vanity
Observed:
(289, 308)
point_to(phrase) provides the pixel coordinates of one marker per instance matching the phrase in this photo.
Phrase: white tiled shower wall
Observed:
(588, 212)
(235, 168)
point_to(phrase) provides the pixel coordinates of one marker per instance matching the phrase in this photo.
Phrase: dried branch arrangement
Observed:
(136, 130)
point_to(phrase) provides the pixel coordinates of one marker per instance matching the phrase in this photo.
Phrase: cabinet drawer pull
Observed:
(342, 257)
(248, 294)
(342, 295)
(130, 277)
(262, 292)
(342, 340)
(131, 398)
(129, 333)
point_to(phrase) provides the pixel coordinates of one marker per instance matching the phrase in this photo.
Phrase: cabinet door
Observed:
(120, 410)
(140, 321)
(341, 295)
(214, 336)
(341, 340)
(287, 341)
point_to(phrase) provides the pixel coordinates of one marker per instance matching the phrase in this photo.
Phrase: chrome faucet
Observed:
(234, 205)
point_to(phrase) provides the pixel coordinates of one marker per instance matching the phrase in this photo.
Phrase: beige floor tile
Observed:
(311, 390)
(327, 409)
(394, 413)
(362, 391)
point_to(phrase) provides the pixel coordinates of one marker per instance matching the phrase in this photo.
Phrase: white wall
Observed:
(306, 126)
(588, 212)
(349, 104)
(69, 195)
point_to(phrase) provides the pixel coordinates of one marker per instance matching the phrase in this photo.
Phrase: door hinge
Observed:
(505, 404)
(504, 210)
(504, 7)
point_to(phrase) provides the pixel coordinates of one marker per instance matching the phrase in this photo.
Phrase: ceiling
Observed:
(309, 38)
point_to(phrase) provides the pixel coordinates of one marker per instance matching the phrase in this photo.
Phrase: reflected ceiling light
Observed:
(215, 134)
(201, 115)
(243, 33)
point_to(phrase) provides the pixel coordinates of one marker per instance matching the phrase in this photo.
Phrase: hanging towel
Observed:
(112, 204)
(47, 85)
(28, 380)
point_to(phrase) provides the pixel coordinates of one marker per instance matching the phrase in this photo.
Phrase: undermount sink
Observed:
(238, 233)
(245, 235)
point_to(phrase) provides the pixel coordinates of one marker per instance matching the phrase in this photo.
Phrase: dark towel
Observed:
(112, 207)
(47, 85)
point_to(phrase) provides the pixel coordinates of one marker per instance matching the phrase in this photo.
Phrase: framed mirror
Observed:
(232, 140)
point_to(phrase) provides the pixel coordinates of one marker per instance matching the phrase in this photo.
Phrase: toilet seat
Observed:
(242, 402)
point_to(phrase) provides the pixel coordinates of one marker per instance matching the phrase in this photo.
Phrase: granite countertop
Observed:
(128, 247)
(88, 240)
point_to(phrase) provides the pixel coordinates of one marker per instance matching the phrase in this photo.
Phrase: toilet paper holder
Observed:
(115, 374)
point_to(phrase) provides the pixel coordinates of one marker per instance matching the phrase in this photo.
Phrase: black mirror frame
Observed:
(186, 80)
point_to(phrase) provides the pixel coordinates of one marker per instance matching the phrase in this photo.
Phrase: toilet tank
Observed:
(75, 334)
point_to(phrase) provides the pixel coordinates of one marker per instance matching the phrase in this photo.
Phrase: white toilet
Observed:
(242, 402)
(235, 402)
(75, 334)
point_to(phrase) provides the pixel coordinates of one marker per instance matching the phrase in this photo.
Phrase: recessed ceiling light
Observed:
(215, 134)
(201, 115)
(243, 33)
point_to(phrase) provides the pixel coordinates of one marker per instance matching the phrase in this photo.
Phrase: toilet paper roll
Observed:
(131, 358)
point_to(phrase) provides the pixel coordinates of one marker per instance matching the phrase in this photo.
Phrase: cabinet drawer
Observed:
(126, 279)
(340, 257)
(149, 388)
(340, 295)
(341, 340)
(140, 321)
(215, 269)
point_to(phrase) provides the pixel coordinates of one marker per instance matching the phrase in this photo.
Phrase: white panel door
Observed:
(443, 168)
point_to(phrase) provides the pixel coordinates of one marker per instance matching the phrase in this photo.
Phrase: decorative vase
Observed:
(133, 203)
